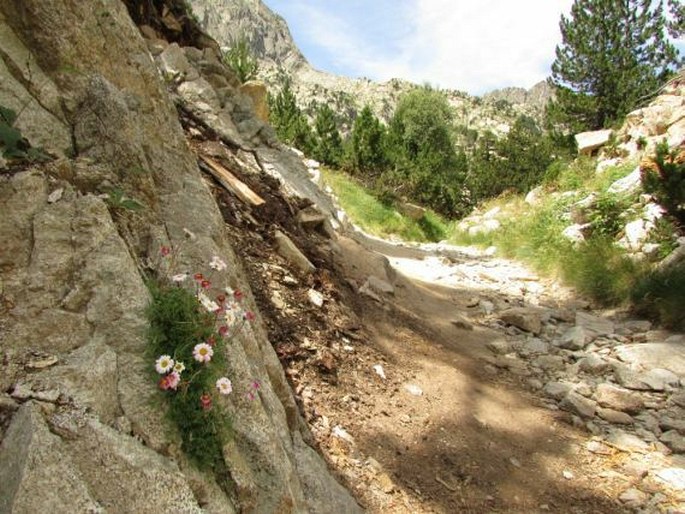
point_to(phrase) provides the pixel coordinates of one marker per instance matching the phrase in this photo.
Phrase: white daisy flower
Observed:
(203, 352)
(163, 364)
(179, 367)
(217, 264)
(224, 385)
(207, 302)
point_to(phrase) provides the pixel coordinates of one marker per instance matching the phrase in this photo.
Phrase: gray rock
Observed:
(499, 346)
(287, 249)
(593, 364)
(672, 421)
(557, 390)
(628, 377)
(678, 398)
(617, 398)
(526, 319)
(614, 416)
(549, 363)
(589, 141)
(575, 338)
(672, 477)
(577, 404)
(174, 64)
(535, 346)
(462, 322)
(674, 441)
(379, 286)
(37, 470)
(659, 379)
(633, 498)
(667, 355)
(594, 325)
(626, 442)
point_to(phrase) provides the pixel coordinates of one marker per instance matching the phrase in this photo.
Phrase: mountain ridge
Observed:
(280, 58)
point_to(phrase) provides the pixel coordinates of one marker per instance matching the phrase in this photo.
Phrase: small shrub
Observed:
(606, 215)
(601, 271)
(661, 295)
(663, 176)
(187, 339)
(14, 145)
(240, 59)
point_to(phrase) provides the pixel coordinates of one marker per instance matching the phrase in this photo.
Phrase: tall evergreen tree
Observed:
(427, 167)
(288, 120)
(367, 147)
(328, 147)
(614, 54)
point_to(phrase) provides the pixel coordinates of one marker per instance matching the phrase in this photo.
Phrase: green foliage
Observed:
(601, 270)
(328, 149)
(240, 59)
(288, 120)
(426, 166)
(177, 323)
(606, 215)
(14, 145)
(367, 146)
(117, 199)
(380, 218)
(663, 177)
(614, 54)
(661, 295)
(517, 162)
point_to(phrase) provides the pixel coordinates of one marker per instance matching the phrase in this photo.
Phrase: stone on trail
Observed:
(626, 442)
(659, 379)
(575, 338)
(557, 390)
(577, 404)
(287, 249)
(526, 319)
(594, 325)
(672, 477)
(669, 355)
(674, 441)
(614, 416)
(617, 398)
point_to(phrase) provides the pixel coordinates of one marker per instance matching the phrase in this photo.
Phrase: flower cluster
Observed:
(224, 317)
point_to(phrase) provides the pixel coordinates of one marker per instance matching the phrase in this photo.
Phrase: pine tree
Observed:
(328, 147)
(288, 120)
(240, 59)
(367, 148)
(614, 55)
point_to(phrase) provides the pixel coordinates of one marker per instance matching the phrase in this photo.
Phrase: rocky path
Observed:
(481, 388)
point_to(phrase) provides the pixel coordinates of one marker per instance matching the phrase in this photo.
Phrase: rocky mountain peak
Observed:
(273, 44)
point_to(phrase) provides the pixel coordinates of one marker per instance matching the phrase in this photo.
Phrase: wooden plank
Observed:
(232, 183)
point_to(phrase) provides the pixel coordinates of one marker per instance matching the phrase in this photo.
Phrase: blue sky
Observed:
(473, 46)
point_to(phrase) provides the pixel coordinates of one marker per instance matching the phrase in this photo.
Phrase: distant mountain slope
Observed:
(280, 57)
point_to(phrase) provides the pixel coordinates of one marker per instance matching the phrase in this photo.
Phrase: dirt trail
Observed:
(475, 440)
(399, 389)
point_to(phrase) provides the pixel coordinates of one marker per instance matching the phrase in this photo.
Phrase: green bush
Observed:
(240, 59)
(661, 295)
(188, 336)
(607, 215)
(601, 270)
(663, 176)
(14, 146)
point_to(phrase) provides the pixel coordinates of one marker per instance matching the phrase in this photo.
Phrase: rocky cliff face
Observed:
(280, 58)
(80, 426)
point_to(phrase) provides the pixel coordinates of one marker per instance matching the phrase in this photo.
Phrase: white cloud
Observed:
(465, 45)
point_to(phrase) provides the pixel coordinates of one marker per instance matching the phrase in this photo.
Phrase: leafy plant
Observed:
(118, 200)
(661, 295)
(187, 338)
(15, 146)
(606, 215)
(240, 59)
(663, 176)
